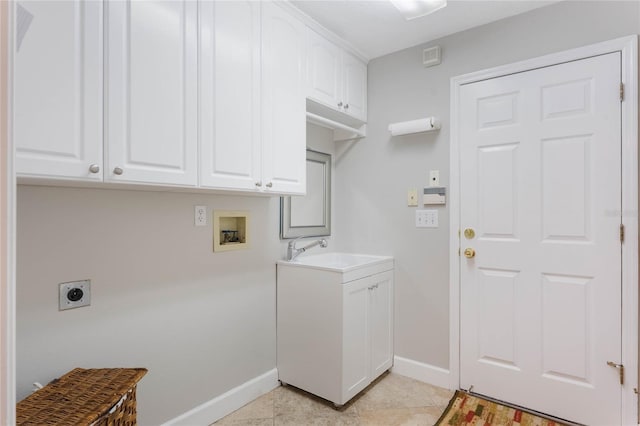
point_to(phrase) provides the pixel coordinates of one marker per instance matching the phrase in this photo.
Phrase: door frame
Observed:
(628, 46)
(7, 222)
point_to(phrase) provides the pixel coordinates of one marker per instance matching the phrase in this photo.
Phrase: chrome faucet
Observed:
(293, 252)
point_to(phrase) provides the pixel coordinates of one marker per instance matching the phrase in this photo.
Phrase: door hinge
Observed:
(621, 92)
(620, 368)
(622, 233)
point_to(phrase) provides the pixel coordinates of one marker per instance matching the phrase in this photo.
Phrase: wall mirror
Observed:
(309, 215)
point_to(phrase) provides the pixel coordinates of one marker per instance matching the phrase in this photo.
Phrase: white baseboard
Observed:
(217, 408)
(423, 372)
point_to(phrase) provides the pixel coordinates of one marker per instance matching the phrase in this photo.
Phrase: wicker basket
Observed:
(99, 397)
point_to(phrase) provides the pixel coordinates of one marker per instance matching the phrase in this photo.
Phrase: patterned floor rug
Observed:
(465, 410)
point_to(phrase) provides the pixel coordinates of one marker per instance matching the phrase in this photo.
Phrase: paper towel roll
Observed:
(414, 126)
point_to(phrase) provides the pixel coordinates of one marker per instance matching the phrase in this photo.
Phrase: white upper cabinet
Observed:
(230, 142)
(336, 79)
(151, 90)
(252, 99)
(184, 93)
(57, 89)
(283, 102)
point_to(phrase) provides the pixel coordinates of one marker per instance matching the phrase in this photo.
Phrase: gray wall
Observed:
(375, 173)
(201, 322)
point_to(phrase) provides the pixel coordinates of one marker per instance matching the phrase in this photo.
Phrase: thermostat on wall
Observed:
(434, 195)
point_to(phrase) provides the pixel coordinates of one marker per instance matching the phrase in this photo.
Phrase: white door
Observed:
(381, 323)
(541, 187)
(367, 331)
(355, 87)
(151, 87)
(57, 89)
(230, 155)
(284, 120)
(325, 70)
(356, 340)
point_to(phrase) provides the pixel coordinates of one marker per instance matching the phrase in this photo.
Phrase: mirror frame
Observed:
(288, 231)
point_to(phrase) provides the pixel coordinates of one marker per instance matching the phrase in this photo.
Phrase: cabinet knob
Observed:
(270, 184)
(258, 184)
(118, 171)
(94, 168)
(340, 104)
(346, 106)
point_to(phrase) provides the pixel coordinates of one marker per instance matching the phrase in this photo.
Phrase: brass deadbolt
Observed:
(469, 233)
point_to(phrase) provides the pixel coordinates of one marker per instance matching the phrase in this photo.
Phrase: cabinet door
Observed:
(355, 87)
(381, 323)
(230, 94)
(283, 102)
(324, 74)
(356, 339)
(151, 87)
(57, 89)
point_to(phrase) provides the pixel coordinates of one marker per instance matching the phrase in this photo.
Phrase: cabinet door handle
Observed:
(270, 184)
(340, 104)
(94, 168)
(346, 106)
(118, 171)
(258, 184)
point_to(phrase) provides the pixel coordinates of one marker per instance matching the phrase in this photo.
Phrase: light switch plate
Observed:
(412, 198)
(426, 218)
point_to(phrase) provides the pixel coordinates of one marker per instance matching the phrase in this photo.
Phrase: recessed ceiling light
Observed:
(412, 9)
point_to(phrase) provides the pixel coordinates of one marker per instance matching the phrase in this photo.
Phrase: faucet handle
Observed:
(323, 243)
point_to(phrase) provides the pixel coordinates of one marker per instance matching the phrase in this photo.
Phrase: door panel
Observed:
(541, 184)
(152, 91)
(354, 87)
(230, 94)
(356, 336)
(283, 102)
(325, 70)
(57, 89)
(382, 323)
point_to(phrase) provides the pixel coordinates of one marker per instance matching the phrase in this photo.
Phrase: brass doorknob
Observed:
(469, 253)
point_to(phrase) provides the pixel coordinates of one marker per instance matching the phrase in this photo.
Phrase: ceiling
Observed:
(376, 28)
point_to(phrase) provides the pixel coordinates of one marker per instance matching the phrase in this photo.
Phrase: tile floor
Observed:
(392, 400)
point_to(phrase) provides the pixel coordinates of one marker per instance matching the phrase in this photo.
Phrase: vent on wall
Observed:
(431, 56)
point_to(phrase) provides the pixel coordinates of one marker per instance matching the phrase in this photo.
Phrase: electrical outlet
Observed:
(74, 294)
(412, 198)
(200, 218)
(434, 178)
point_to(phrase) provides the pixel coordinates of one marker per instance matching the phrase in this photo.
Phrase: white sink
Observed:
(352, 265)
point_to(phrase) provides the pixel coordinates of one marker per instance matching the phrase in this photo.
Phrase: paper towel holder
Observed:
(428, 124)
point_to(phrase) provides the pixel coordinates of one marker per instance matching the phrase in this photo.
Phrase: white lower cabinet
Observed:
(335, 330)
